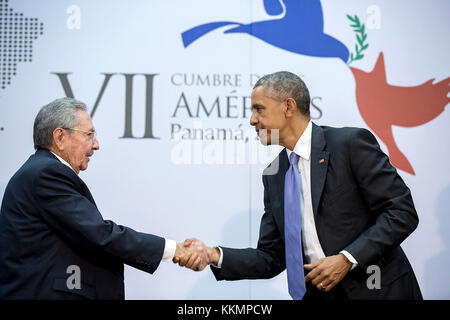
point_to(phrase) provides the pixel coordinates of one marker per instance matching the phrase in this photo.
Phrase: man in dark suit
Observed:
(333, 205)
(54, 243)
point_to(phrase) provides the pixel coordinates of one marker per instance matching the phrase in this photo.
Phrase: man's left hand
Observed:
(328, 272)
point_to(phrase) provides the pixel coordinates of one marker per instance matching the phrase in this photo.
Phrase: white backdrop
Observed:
(181, 186)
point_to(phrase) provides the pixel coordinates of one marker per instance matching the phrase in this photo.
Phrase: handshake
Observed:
(195, 255)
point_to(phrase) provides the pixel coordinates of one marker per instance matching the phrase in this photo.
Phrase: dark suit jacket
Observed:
(360, 204)
(48, 222)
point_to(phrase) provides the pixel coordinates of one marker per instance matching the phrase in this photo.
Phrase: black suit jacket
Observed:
(48, 222)
(360, 205)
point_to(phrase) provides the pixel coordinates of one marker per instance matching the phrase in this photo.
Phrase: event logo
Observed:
(298, 28)
(305, 17)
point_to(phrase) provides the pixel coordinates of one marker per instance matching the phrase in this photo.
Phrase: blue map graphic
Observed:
(299, 30)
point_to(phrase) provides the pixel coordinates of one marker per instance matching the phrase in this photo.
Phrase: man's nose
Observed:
(96, 145)
(253, 119)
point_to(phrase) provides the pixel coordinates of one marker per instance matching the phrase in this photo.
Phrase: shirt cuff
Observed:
(219, 263)
(169, 250)
(350, 258)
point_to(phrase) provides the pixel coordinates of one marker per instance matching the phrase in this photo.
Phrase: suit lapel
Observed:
(278, 192)
(84, 189)
(87, 193)
(319, 167)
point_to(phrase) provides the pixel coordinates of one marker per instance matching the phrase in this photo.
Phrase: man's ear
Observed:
(291, 107)
(59, 138)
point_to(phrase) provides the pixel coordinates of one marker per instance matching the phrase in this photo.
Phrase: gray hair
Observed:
(286, 85)
(60, 113)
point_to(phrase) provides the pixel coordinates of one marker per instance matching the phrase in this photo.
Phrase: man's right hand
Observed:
(194, 254)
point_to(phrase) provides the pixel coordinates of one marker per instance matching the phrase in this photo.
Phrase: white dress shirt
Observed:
(311, 245)
(170, 245)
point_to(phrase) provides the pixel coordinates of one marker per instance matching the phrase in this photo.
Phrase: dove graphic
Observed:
(382, 106)
(298, 30)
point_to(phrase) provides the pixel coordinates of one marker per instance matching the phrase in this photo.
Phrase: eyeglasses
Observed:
(91, 135)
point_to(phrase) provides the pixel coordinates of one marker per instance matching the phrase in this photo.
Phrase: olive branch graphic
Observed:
(361, 37)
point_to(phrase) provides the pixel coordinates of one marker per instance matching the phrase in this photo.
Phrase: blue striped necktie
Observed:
(293, 208)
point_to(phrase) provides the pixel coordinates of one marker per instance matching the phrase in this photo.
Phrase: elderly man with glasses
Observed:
(54, 243)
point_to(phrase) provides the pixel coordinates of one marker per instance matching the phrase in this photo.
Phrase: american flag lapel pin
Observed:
(322, 160)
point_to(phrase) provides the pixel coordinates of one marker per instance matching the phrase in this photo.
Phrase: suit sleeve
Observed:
(388, 199)
(266, 261)
(78, 220)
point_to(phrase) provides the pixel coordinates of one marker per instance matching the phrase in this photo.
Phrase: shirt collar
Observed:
(62, 160)
(303, 145)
